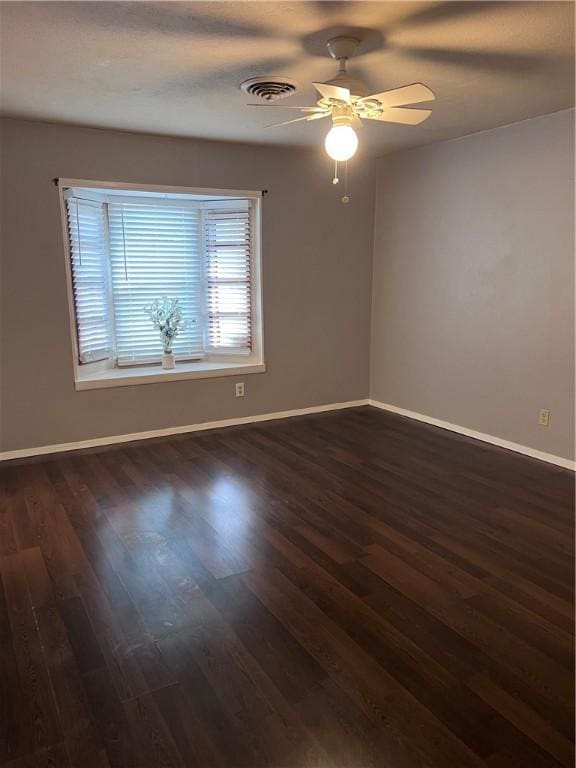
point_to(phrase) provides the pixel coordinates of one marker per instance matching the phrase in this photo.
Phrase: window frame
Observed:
(106, 372)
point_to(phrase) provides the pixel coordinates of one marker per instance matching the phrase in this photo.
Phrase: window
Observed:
(128, 246)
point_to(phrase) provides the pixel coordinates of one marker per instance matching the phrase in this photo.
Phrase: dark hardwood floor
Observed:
(344, 590)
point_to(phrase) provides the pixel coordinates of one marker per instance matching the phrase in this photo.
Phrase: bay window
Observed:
(127, 246)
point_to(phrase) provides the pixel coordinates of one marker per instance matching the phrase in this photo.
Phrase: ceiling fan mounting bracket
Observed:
(342, 47)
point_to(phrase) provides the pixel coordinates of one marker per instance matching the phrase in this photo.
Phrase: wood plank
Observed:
(34, 696)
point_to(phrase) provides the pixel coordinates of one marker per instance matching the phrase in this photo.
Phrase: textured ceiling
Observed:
(174, 68)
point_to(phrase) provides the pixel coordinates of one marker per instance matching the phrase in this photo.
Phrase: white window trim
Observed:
(95, 376)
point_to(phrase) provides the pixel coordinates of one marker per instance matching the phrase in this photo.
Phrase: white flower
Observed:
(167, 317)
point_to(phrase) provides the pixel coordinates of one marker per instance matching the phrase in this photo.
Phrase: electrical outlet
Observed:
(544, 417)
(239, 389)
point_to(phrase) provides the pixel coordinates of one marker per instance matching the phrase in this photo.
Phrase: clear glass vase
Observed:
(167, 356)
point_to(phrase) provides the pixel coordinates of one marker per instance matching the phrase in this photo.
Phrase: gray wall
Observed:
(473, 291)
(473, 285)
(317, 263)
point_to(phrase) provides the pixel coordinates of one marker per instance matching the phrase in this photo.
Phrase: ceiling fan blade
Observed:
(408, 94)
(405, 116)
(288, 106)
(356, 122)
(315, 116)
(333, 91)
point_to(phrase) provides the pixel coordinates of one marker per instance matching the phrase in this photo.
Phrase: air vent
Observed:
(269, 88)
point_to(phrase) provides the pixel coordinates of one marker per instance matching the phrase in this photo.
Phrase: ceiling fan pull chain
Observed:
(345, 198)
(335, 180)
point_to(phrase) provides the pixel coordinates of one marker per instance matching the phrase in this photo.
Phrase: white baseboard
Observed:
(541, 455)
(113, 439)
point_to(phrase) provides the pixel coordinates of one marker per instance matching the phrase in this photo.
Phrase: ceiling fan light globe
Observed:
(341, 142)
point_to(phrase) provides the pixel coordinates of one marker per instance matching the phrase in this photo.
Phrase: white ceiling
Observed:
(174, 68)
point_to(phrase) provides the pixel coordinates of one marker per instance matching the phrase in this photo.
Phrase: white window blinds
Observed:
(228, 246)
(90, 278)
(155, 252)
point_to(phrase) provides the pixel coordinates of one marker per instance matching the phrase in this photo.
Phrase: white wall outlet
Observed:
(239, 389)
(544, 417)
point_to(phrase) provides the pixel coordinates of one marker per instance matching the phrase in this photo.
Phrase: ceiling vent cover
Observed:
(269, 88)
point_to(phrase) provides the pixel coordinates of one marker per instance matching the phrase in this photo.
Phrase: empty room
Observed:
(287, 402)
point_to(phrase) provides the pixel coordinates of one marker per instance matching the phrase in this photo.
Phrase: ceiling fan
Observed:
(346, 100)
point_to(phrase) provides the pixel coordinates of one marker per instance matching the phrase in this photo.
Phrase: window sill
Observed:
(154, 374)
